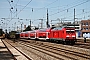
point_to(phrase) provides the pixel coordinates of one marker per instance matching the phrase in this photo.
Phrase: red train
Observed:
(65, 34)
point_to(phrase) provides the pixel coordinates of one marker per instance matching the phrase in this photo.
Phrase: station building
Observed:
(85, 28)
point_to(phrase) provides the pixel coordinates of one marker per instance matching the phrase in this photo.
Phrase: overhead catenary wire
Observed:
(51, 3)
(38, 8)
(16, 7)
(22, 8)
(9, 3)
(44, 7)
(64, 6)
(80, 3)
(79, 14)
(71, 7)
(10, 6)
(25, 6)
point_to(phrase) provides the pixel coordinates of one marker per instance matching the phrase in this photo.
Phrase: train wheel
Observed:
(48, 40)
(64, 42)
(72, 42)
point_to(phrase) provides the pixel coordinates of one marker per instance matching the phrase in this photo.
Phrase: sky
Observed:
(35, 10)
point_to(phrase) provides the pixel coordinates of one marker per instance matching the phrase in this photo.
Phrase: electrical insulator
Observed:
(32, 9)
(11, 0)
(83, 10)
(16, 9)
(11, 7)
(67, 10)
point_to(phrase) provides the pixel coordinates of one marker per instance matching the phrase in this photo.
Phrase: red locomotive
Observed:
(65, 34)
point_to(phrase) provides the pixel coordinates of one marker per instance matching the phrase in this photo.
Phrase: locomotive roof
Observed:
(45, 29)
(61, 27)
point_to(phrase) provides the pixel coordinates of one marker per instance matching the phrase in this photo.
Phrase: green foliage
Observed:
(29, 29)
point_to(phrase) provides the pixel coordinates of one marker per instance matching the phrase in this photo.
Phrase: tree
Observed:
(28, 29)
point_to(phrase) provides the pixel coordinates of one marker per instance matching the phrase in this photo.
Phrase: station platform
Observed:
(4, 53)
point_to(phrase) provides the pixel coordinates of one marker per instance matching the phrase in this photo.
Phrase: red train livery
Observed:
(22, 35)
(65, 34)
(44, 34)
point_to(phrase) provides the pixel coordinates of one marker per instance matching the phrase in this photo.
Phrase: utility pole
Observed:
(21, 27)
(6, 25)
(47, 19)
(14, 26)
(11, 9)
(17, 28)
(41, 23)
(21, 24)
(30, 24)
(74, 17)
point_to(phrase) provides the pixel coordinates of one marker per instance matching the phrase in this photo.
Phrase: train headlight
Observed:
(73, 35)
(67, 36)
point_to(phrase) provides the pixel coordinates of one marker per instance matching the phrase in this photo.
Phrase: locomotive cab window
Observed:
(57, 28)
(70, 31)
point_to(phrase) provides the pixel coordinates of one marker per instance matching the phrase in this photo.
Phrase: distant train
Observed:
(2, 34)
(60, 34)
(13, 35)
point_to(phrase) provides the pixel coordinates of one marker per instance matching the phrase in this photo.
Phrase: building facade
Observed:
(85, 28)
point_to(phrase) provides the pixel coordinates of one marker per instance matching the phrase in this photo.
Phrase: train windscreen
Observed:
(70, 31)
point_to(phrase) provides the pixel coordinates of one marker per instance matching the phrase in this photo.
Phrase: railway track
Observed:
(45, 50)
(57, 52)
(41, 54)
(82, 40)
(80, 43)
(15, 58)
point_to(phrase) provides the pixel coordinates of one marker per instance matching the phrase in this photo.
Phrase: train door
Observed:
(22, 35)
(26, 34)
(63, 34)
(56, 34)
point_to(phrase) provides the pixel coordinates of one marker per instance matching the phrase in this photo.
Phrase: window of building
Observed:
(82, 23)
(82, 28)
(86, 23)
(86, 28)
